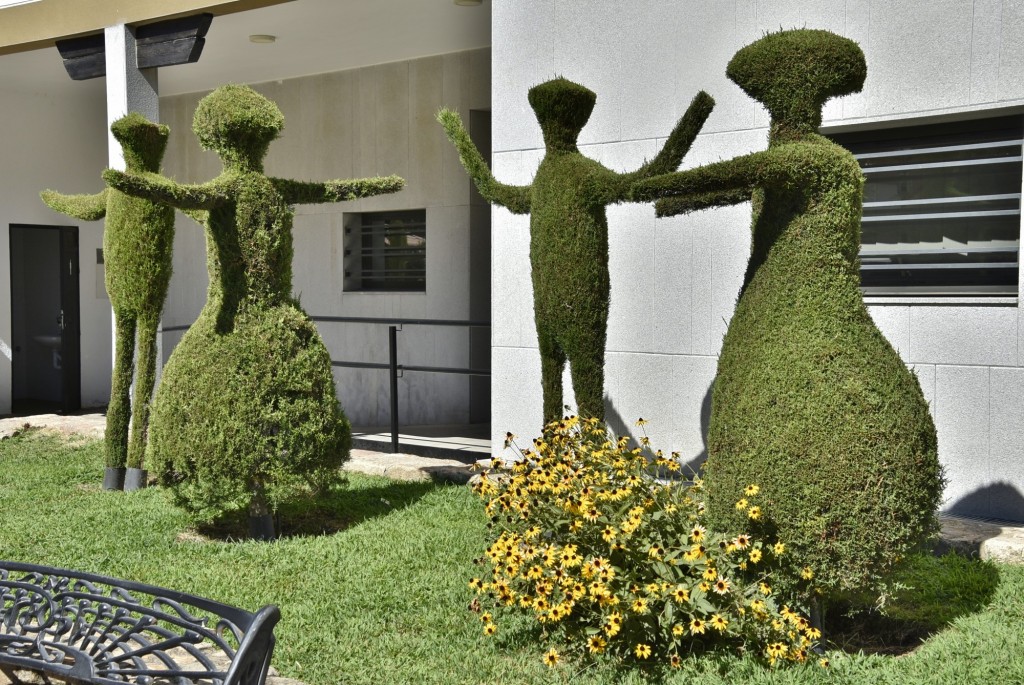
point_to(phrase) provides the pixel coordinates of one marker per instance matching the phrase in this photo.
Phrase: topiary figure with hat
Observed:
(138, 239)
(811, 402)
(246, 410)
(569, 232)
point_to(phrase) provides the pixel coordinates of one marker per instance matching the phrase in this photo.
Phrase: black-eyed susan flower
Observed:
(721, 586)
(754, 556)
(719, 623)
(697, 626)
(741, 541)
(754, 513)
(641, 422)
(674, 661)
(751, 490)
(697, 534)
(551, 658)
(741, 504)
(807, 573)
(490, 629)
(710, 573)
(779, 548)
(639, 605)
(596, 644)
(642, 651)
(764, 588)
(681, 594)
(678, 630)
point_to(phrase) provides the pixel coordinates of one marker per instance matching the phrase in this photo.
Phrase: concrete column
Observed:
(129, 89)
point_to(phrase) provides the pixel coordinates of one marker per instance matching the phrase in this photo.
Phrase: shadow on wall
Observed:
(619, 426)
(999, 501)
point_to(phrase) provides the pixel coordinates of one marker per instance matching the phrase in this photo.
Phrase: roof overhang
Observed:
(40, 24)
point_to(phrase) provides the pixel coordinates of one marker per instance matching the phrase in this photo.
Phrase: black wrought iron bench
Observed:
(84, 628)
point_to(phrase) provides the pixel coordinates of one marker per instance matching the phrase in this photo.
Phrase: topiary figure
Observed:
(810, 401)
(569, 232)
(137, 241)
(246, 409)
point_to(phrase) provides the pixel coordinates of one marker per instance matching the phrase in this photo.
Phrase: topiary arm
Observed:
(314, 192)
(515, 198)
(157, 188)
(684, 204)
(84, 207)
(710, 185)
(679, 141)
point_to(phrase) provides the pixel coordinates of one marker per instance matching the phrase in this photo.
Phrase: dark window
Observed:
(941, 207)
(386, 251)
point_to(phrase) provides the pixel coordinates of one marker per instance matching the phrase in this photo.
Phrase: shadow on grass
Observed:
(934, 591)
(339, 509)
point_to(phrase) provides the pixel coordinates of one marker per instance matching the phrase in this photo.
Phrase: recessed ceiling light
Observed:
(468, 3)
(262, 38)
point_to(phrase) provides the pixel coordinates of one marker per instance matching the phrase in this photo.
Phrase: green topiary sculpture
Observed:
(137, 243)
(246, 409)
(569, 232)
(810, 401)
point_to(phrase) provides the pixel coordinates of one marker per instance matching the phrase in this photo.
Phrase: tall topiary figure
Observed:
(137, 241)
(569, 232)
(246, 409)
(810, 401)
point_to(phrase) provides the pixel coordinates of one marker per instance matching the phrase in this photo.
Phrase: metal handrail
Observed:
(393, 367)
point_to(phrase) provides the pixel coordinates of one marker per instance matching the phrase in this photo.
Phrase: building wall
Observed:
(675, 281)
(364, 122)
(54, 139)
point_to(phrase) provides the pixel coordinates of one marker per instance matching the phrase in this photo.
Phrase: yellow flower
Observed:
(812, 633)
(751, 490)
(765, 589)
(741, 505)
(642, 651)
(551, 658)
(742, 541)
(476, 584)
(596, 644)
(681, 594)
(721, 586)
(678, 630)
(719, 623)
(807, 573)
(697, 534)
(710, 573)
(608, 534)
(778, 548)
(641, 422)
(639, 605)
(655, 551)
(486, 617)
(697, 626)
(754, 513)
(755, 556)
(490, 629)
(824, 662)
(674, 661)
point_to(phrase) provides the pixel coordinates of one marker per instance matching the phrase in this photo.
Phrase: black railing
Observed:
(393, 367)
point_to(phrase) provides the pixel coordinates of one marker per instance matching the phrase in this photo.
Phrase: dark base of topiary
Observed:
(135, 479)
(113, 478)
(262, 528)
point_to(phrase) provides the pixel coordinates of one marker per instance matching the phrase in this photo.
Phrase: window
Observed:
(941, 207)
(386, 251)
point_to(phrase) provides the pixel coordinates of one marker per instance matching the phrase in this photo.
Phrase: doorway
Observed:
(45, 320)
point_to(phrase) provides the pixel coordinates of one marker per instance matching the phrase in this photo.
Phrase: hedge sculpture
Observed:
(569, 232)
(137, 243)
(810, 401)
(246, 409)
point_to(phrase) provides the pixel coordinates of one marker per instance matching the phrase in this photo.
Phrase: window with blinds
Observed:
(386, 251)
(941, 207)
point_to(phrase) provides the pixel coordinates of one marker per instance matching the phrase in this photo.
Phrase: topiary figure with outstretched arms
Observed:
(811, 402)
(569, 232)
(246, 410)
(138, 239)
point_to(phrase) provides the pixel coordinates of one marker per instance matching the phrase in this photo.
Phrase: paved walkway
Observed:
(986, 539)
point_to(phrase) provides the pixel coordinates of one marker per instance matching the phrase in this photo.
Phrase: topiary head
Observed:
(142, 141)
(237, 123)
(562, 109)
(793, 73)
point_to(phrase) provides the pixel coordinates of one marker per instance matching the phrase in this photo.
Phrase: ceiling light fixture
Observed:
(262, 38)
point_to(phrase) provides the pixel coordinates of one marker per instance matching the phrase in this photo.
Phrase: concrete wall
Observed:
(363, 122)
(675, 281)
(55, 139)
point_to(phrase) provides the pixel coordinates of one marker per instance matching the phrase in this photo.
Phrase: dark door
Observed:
(70, 320)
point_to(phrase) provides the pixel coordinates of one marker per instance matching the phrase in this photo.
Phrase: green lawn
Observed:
(383, 599)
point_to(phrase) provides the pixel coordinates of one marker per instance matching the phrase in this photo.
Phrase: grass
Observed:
(372, 586)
